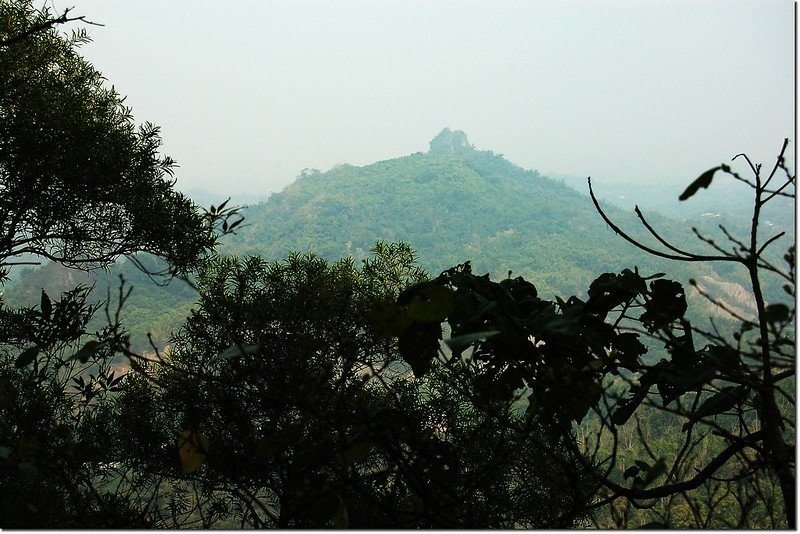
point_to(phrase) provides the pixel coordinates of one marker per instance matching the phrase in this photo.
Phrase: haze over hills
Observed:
(729, 203)
(204, 197)
(452, 203)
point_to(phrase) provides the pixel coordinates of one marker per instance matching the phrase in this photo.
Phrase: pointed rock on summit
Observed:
(450, 142)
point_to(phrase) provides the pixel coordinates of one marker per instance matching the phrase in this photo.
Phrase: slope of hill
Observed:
(151, 308)
(453, 203)
(729, 202)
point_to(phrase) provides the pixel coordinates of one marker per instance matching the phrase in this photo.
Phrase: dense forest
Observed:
(442, 340)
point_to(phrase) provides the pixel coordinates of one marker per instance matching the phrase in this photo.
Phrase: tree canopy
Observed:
(81, 183)
(308, 418)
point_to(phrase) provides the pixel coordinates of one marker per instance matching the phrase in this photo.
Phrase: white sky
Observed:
(248, 93)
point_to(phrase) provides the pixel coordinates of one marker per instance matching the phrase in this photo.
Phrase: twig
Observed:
(63, 19)
(645, 248)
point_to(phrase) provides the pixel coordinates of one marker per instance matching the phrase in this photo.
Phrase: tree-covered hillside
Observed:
(451, 204)
(151, 308)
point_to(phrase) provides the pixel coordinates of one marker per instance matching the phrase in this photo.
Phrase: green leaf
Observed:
(46, 306)
(192, 449)
(667, 303)
(644, 466)
(519, 407)
(87, 351)
(631, 472)
(459, 343)
(722, 357)
(431, 304)
(236, 351)
(629, 348)
(356, 452)
(418, 346)
(776, 313)
(389, 320)
(27, 357)
(720, 402)
(626, 406)
(704, 180)
(653, 472)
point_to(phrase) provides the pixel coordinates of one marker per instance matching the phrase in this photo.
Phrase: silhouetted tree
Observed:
(80, 184)
(586, 360)
(744, 375)
(292, 410)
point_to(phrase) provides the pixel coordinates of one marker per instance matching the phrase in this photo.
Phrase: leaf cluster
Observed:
(81, 182)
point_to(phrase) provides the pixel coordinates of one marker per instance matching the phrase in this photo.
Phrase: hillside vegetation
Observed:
(451, 204)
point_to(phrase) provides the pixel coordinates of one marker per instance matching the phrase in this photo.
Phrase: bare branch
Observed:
(710, 242)
(732, 239)
(702, 475)
(662, 240)
(779, 163)
(736, 175)
(768, 241)
(645, 248)
(49, 23)
(747, 159)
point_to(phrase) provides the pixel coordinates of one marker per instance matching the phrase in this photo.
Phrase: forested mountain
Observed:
(151, 308)
(301, 392)
(452, 204)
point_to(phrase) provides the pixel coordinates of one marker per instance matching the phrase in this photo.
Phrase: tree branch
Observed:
(49, 23)
(661, 239)
(645, 248)
(778, 164)
(770, 240)
(703, 475)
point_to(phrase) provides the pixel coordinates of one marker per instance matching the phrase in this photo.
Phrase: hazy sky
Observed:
(248, 93)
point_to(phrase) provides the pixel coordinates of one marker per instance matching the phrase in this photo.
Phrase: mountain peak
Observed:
(450, 142)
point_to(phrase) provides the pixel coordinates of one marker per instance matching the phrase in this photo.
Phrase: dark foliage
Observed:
(731, 391)
(82, 183)
(310, 419)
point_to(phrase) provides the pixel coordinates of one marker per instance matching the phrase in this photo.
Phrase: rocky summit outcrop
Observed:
(450, 142)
